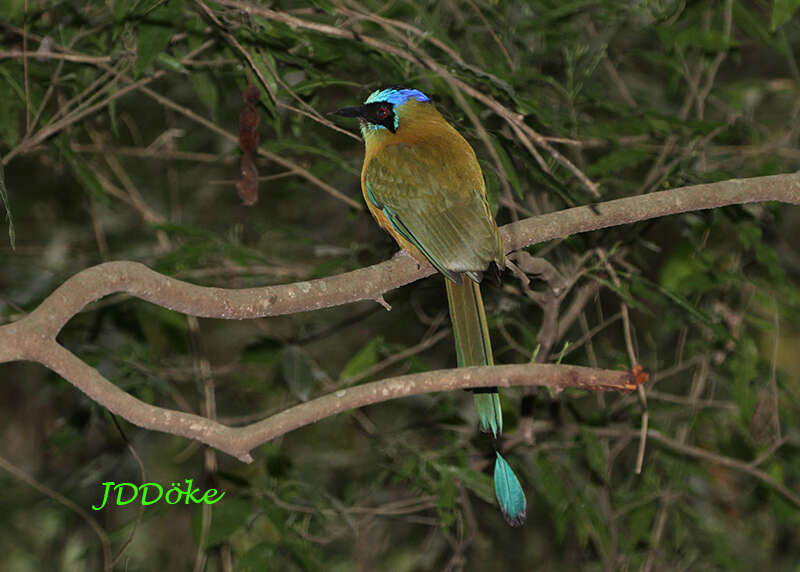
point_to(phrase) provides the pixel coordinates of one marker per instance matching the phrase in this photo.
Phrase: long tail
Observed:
(474, 347)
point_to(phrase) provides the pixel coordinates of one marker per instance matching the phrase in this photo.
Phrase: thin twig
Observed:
(496, 39)
(627, 330)
(105, 543)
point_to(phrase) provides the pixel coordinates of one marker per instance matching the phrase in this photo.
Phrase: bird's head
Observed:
(384, 110)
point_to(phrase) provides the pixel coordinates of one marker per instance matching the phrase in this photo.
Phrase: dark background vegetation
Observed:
(641, 96)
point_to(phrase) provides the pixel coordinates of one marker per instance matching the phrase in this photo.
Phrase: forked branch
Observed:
(33, 337)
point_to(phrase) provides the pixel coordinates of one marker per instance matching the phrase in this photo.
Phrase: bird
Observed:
(422, 183)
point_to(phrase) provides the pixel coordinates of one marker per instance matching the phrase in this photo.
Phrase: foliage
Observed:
(120, 142)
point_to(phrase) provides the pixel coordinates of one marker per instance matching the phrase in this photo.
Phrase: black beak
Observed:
(355, 111)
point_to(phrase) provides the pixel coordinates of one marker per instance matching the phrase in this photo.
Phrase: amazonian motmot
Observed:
(423, 185)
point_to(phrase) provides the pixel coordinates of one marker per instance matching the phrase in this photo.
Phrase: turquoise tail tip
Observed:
(509, 493)
(490, 413)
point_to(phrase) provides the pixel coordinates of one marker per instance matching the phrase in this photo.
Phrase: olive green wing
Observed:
(437, 204)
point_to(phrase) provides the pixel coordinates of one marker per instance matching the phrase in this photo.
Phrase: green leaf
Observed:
(751, 237)
(302, 555)
(256, 559)
(695, 312)
(640, 523)
(782, 509)
(508, 169)
(551, 485)
(121, 9)
(782, 11)
(265, 64)
(751, 24)
(151, 39)
(328, 267)
(684, 272)
(492, 187)
(82, 171)
(743, 365)
(298, 372)
(446, 501)
(169, 63)
(595, 454)
(325, 5)
(617, 160)
(12, 11)
(183, 230)
(205, 89)
(475, 481)
(416, 364)
(12, 235)
(265, 352)
(364, 359)
(155, 324)
(712, 40)
(154, 33)
(228, 516)
(11, 109)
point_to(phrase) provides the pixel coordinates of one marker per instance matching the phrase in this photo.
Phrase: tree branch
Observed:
(238, 441)
(33, 337)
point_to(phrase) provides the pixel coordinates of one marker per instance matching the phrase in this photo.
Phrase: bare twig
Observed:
(634, 361)
(75, 58)
(491, 31)
(105, 543)
(729, 462)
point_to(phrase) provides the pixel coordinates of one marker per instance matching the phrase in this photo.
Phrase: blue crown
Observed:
(397, 96)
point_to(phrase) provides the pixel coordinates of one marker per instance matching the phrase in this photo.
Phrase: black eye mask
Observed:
(379, 113)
